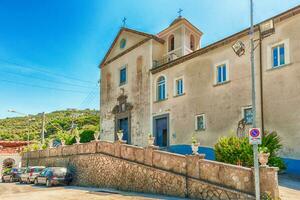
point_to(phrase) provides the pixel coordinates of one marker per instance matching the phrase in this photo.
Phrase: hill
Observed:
(16, 128)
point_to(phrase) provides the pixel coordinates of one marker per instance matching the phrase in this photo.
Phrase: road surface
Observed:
(16, 191)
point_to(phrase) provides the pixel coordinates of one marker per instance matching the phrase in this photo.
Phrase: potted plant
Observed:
(151, 139)
(120, 134)
(96, 135)
(195, 145)
(263, 155)
(51, 143)
(77, 138)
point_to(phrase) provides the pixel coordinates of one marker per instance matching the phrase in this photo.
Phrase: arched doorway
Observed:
(8, 163)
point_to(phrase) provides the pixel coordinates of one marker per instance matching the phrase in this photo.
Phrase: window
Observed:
(200, 122)
(222, 74)
(248, 115)
(161, 88)
(192, 42)
(123, 75)
(122, 43)
(179, 87)
(278, 55)
(171, 43)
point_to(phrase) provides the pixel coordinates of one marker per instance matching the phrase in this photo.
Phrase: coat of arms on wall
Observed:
(123, 106)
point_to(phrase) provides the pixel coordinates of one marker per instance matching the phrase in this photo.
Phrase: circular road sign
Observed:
(254, 132)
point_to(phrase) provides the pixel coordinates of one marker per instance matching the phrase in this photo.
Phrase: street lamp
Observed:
(265, 29)
(28, 130)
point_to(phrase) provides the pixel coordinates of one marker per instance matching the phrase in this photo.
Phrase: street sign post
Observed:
(254, 136)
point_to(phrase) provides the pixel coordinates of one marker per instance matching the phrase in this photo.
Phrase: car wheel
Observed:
(36, 182)
(48, 183)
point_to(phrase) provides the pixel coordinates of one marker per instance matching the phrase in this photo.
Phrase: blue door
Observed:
(161, 130)
(123, 125)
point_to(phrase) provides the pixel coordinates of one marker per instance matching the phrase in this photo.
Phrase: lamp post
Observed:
(28, 130)
(255, 146)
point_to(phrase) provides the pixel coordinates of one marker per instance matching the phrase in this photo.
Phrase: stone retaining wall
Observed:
(131, 168)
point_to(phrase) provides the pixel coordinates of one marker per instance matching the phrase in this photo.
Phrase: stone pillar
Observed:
(149, 154)
(269, 181)
(193, 169)
(117, 145)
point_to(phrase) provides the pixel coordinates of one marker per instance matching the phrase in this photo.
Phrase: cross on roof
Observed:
(179, 12)
(124, 21)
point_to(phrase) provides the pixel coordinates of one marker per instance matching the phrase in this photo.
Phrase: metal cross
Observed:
(124, 21)
(179, 12)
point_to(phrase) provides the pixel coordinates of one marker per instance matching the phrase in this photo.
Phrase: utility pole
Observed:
(255, 146)
(43, 128)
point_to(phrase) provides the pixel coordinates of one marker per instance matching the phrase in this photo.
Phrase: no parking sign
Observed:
(254, 136)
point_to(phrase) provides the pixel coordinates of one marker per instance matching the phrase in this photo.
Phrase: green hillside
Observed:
(16, 128)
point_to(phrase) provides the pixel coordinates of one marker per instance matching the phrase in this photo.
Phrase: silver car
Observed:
(31, 173)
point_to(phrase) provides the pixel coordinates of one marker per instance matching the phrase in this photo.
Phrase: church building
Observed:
(170, 86)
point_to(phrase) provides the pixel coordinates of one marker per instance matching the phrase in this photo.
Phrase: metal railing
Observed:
(164, 60)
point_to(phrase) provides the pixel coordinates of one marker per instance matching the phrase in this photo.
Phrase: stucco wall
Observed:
(222, 104)
(137, 89)
(131, 168)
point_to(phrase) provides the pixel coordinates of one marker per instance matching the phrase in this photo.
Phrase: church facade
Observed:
(169, 86)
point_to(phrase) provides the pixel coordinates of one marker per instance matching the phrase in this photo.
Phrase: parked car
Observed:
(13, 175)
(54, 176)
(30, 174)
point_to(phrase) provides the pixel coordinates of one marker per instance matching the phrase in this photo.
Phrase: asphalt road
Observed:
(16, 191)
(289, 189)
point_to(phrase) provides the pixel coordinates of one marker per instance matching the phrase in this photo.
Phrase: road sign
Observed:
(254, 136)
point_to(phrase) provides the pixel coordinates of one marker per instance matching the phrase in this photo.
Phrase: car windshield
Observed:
(14, 170)
(44, 172)
(59, 171)
(21, 170)
(37, 170)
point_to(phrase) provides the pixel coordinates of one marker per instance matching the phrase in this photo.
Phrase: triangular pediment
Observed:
(125, 40)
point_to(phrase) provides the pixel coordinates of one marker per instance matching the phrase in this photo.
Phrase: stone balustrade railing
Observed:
(191, 166)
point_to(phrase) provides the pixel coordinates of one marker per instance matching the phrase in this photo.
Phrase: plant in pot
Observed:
(120, 134)
(151, 139)
(96, 135)
(263, 156)
(195, 145)
(76, 133)
(51, 143)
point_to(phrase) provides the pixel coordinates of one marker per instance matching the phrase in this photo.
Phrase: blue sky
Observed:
(50, 49)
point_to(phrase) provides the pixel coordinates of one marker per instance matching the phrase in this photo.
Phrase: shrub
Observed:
(86, 136)
(234, 150)
(238, 151)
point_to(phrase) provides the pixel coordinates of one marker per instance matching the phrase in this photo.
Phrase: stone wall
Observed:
(131, 168)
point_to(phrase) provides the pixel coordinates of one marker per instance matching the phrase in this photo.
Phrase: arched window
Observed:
(192, 42)
(171, 42)
(161, 88)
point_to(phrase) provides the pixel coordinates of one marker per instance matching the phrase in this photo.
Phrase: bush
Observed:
(238, 151)
(234, 150)
(86, 136)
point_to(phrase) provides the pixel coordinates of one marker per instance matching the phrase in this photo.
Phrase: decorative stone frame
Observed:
(121, 111)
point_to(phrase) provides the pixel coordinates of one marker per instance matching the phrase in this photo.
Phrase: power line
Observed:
(54, 82)
(38, 86)
(92, 94)
(45, 71)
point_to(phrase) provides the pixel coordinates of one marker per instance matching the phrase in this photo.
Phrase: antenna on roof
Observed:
(124, 21)
(179, 12)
